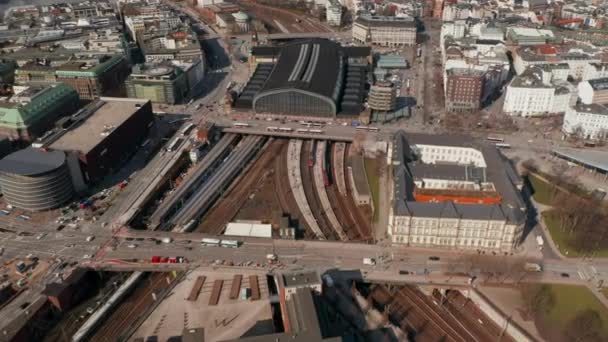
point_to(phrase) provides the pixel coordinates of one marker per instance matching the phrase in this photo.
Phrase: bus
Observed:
(368, 128)
(272, 129)
(502, 145)
(187, 129)
(316, 131)
(240, 124)
(495, 139)
(173, 145)
(229, 243)
(301, 130)
(373, 129)
(210, 242)
(285, 129)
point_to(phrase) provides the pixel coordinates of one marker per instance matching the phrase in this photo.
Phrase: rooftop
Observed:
(599, 83)
(113, 113)
(310, 65)
(31, 162)
(593, 158)
(379, 21)
(301, 279)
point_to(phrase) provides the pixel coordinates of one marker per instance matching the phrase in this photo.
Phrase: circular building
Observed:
(35, 180)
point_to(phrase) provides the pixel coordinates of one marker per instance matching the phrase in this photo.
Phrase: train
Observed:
(220, 243)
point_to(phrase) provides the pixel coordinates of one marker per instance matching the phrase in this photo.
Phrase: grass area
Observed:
(373, 178)
(569, 300)
(605, 291)
(543, 192)
(560, 238)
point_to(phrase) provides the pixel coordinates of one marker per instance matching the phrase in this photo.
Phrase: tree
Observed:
(537, 298)
(586, 326)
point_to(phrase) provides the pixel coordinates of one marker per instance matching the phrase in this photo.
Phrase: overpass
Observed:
(331, 135)
(304, 35)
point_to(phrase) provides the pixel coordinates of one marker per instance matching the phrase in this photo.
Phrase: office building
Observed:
(382, 97)
(464, 90)
(454, 192)
(94, 79)
(384, 31)
(115, 128)
(33, 110)
(333, 12)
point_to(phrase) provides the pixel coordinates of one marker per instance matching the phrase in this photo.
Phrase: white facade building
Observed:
(586, 121)
(333, 12)
(595, 70)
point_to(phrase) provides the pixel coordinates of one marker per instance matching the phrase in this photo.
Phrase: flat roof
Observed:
(301, 279)
(249, 229)
(359, 177)
(599, 83)
(32, 161)
(113, 113)
(592, 158)
(384, 21)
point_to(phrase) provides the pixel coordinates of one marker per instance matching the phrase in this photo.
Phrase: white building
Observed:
(538, 92)
(333, 12)
(595, 70)
(594, 91)
(384, 31)
(449, 163)
(586, 121)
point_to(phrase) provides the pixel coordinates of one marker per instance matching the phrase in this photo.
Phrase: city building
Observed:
(180, 44)
(108, 136)
(314, 77)
(92, 80)
(532, 94)
(35, 180)
(452, 191)
(595, 70)
(169, 82)
(35, 74)
(241, 21)
(291, 282)
(384, 31)
(529, 36)
(31, 111)
(333, 12)
(464, 90)
(382, 97)
(588, 122)
(594, 91)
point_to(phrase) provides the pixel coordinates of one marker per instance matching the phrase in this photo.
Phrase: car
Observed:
(132, 245)
(24, 217)
(404, 272)
(90, 310)
(565, 275)
(87, 256)
(90, 238)
(434, 258)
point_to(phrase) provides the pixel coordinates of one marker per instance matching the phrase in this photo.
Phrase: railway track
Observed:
(187, 188)
(284, 194)
(363, 225)
(311, 193)
(226, 209)
(205, 195)
(131, 309)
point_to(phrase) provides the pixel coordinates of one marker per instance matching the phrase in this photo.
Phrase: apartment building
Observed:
(382, 97)
(384, 31)
(594, 91)
(586, 121)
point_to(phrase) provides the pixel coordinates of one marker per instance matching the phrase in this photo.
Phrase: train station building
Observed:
(314, 77)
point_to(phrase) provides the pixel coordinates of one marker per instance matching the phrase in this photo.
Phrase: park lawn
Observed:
(371, 170)
(569, 300)
(560, 238)
(543, 192)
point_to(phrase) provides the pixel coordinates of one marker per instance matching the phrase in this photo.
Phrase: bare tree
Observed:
(537, 298)
(586, 326)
